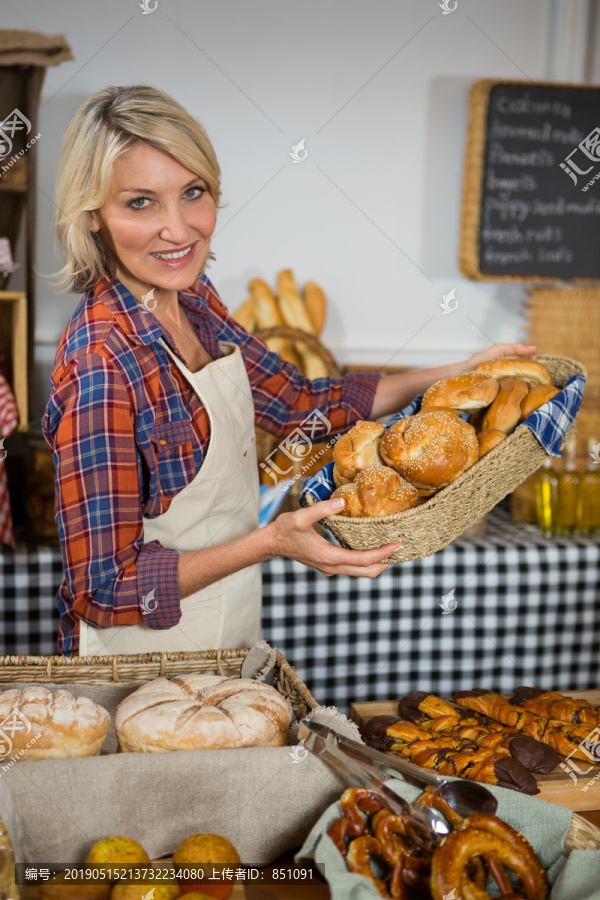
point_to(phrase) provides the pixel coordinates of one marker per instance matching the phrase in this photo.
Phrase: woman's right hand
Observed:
(292, 535)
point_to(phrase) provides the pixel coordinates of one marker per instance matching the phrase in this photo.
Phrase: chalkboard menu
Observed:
(531, 190)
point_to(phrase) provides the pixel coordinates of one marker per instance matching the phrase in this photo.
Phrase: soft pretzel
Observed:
(516, 367)
(472, 390)
(358, 860)
(457, 849)
(430, 450)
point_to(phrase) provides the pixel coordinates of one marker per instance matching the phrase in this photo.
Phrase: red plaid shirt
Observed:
(127, 433)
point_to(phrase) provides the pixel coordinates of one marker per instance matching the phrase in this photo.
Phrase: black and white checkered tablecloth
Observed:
(525, 611)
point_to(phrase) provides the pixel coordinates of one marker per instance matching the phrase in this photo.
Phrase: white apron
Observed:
(220, 504)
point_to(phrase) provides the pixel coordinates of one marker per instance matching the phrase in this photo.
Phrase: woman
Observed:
(155, 394)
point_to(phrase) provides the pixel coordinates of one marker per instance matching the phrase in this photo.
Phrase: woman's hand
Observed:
(497, 351)
(292, 535)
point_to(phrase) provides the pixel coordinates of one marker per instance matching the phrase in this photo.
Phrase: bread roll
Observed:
(316, 304)
(473, 390)
(489, 439)
(537, 395)
(430, 450)
(358, 448)
(377, 491)
(338, 478)
(516, 367)
(505, 411)
(426, 409)
(203, 712)
(245, 315)
(67, 726)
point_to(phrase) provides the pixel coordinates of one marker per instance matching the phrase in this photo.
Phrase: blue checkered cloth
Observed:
(549, 423)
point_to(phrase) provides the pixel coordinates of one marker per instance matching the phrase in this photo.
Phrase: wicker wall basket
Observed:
(433, 525)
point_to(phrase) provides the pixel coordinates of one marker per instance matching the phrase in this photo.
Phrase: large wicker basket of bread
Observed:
(431, 475)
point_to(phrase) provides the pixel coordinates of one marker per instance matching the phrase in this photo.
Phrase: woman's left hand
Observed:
(497, 351)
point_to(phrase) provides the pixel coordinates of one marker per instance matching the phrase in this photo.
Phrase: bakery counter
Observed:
(507, 609)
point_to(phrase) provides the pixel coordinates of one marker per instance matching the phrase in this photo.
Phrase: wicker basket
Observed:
(433, 525)
(142, 667)
(582, 835)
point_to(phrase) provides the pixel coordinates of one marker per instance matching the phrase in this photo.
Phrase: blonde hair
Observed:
(109, 122)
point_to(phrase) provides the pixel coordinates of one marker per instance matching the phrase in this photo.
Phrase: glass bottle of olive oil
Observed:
(588, 502)
(568, 491)
(546, 498)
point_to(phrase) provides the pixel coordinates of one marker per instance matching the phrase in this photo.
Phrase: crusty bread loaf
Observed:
(67, 726)
(338, 478)
(516, 367)
(358, 448)
(537, 395)
(489, 439)
(377, 491)
(472, 390)
(505, 411)
(295, 314)
(430, 450)
(204, 712)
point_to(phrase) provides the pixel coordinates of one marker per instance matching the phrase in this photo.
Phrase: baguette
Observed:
(268, 316)
(316, 304)
(245, 315)
(295, 314)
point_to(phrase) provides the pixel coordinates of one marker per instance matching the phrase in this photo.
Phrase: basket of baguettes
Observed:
(432, 474)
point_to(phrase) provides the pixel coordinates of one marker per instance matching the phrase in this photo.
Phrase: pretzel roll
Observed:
(358, 448)
(377, 491)
(505, 411)
(489, 439)
(537, 395)
(430, 450)
(473, 390)
(516, 367)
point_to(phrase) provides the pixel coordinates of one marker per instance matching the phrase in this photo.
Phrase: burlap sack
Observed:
(265, 800)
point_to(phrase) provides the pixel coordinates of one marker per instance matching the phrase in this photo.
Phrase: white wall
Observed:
(378, 88)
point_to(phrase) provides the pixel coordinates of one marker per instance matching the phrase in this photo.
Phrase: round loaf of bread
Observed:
(472, 390)
(430, 450)
(53, 723)
(377, 491)
(202, 712)
(538, 395)
(338, 478)
(516, 367)
(358, 449)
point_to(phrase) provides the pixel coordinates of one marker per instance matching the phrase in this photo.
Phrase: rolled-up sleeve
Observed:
(112, 576)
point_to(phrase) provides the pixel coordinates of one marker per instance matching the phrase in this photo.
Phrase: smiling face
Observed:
(156, 206)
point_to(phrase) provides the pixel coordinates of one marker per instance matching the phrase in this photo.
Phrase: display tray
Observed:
(557, 787)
